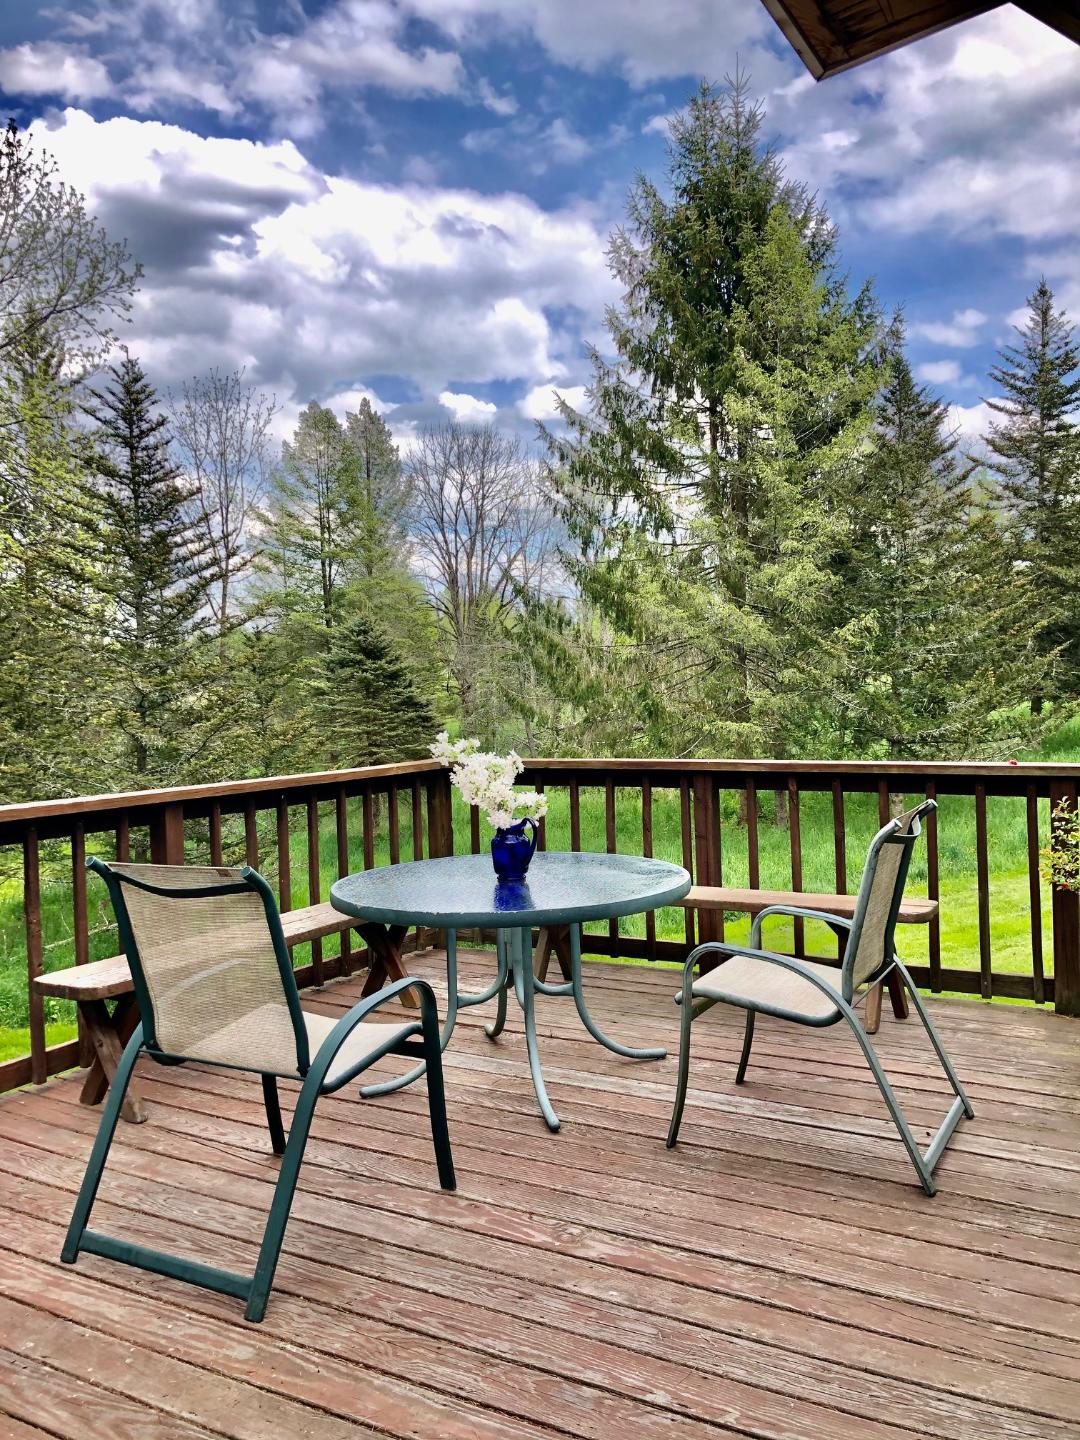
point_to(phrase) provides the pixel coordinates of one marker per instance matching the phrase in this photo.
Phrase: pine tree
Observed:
(703, 487)
(942, 630)
(377, 508)
(51, 733)
(309, 545)
(154, 589)
(1036, 450)
(367, 708)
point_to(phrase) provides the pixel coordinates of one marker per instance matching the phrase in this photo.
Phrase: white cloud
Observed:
(961, 331)
(660, 124)
(971, 421)
(47, 68)
(499, 104)
(165, 84)
(645, 42)
(467, 408)
(352, 44)
(540, 402)
(204, 53)
(317, 282)
(535, 147)
(972, 133)
(939, 372)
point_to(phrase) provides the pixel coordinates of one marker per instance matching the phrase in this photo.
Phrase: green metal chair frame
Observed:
(903, 831)
(311, 1071)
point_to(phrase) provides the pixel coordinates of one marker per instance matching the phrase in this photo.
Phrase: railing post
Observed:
(440, 816)
(32, 913)
(705, 867)
(167, 835)
(1066, 916)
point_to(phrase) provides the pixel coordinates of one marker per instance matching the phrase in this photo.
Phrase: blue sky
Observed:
(410, 199)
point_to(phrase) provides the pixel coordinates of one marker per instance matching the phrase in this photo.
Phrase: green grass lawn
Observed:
(1006, 825)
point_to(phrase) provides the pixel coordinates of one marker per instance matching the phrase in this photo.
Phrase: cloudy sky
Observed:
(410, 199)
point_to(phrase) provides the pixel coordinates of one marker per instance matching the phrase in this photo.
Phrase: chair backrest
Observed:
(206, 950)
(870, 944)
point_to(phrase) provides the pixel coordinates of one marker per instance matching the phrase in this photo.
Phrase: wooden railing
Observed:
(252, 821)
(708, 814)
(700, 785)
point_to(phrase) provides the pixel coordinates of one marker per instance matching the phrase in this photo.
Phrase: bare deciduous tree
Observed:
(482, 532)
(220, 427)
(60, 275)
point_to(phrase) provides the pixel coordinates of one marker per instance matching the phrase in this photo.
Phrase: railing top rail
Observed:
(978, 769)
(36, 810)
(19, 817)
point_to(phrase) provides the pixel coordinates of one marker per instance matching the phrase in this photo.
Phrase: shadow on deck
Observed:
(779, 1275)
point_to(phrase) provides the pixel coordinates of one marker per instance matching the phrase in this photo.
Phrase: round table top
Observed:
(461, 892)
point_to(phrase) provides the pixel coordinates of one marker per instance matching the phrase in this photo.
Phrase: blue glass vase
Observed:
(512, 850)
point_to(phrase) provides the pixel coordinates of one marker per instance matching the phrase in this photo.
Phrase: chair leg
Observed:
(100, 1153)
(748, 1040)
(939, 1049)
(273, 1114)
(685, 1021)
(440, 1134)
(274, 1233)
(923, 1162)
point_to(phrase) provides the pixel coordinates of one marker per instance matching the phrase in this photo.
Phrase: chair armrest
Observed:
(324, 1056)
(364, 1007)
(750, 952)
(838, 923)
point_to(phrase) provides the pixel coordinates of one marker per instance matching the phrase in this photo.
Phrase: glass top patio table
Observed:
(560, 891)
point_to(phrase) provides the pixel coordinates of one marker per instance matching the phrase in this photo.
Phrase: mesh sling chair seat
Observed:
(214, 983)
(760, 981)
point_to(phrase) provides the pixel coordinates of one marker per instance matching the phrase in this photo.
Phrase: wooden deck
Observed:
(779, 1275)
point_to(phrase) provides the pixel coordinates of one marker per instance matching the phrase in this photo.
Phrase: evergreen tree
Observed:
(154, 590)
(704, 488)
(377, 508)
(367, 708)
(381, 582)
(1036, 455)
(309, 545)
(49, 560)
(941, 630)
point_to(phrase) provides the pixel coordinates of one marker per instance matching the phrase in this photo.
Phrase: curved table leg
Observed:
(630, 1052)
(494, 1027)
(521, 951)
(387, 1087)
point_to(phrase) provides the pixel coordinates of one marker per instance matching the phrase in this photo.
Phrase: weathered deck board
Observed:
(778, 1276)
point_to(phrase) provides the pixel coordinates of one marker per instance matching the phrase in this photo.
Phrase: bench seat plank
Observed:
(716, 897)
(107, 979)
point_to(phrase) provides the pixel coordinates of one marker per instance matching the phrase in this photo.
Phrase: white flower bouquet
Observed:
(486, 780)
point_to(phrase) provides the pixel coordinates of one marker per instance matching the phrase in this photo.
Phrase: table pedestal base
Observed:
(516, 972)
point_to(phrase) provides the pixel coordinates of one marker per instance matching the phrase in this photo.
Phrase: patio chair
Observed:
(214, 984)
(760, 981)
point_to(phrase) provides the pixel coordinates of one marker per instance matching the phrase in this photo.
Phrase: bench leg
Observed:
(109, 1034)
(552, 940)
(897, 994)
(385, 942)
(874, 997)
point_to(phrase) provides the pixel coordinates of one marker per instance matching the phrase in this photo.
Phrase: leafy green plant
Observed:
(1061, 858)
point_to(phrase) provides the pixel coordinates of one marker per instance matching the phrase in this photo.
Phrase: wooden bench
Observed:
(92, 986)
(555, 940)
